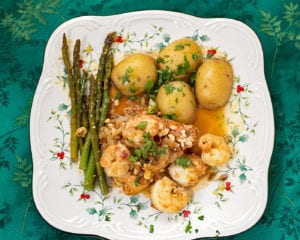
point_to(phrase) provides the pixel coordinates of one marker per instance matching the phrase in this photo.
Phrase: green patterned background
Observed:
(25, 27)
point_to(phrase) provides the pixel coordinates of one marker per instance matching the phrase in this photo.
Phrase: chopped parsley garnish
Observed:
(192, 78)
(183, 68)
(171, 116)
(125, 77)
(162, 150)
(149, 148)
(132, 88)
(152, 109)
(169, 88)
(180, 89)
(160, 60)
(165, 76)
(118, 95)
(136, 182)
(148, 86)
(142, 125)
(179, 47)
(183, 161)
(133, 158)
(132, 98)
(195, 56)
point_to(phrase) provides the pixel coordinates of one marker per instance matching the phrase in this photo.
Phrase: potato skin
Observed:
(181, 57)
(214, 82)
(134, 74)
(177, 99)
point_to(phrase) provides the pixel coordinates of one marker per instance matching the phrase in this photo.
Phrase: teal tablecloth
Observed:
(25, 27)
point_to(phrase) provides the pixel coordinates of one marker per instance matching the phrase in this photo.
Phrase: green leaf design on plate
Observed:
(91, 211)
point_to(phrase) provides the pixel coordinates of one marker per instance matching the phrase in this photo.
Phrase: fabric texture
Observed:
(25, 27)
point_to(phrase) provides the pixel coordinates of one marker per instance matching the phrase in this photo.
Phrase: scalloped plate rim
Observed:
(33, 117)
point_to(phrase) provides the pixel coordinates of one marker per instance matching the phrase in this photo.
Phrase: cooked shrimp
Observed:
(115, 161)
(162, 160)
(136, 128)
(132, 184)
(168, 197)
(187, 170)
(215, 150)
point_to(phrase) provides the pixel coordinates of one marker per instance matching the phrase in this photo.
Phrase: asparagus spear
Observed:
(72, 94)
(79, 87)
(84, 117)
(106, 99)
(101, 71)
(85, 152)
(103, 75)
(89, 177)
(94, 137)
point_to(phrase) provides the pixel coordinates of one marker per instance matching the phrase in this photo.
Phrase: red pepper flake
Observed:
(119, 39)
(211, 51)
(240, 88)
(80, 63)
(124, 154)
(228, 186)
(60, 155)
(186, 213)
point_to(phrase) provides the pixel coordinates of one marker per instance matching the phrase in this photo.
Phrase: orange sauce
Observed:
(207, 121)
(123, 102)
(210, 121)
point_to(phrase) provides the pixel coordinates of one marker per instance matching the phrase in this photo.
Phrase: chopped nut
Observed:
(173, 127)
(81, 132)
(148, 175)
(136, 170)
(171, 137)
(161, 126)
(189, 142)
(117, 102)
(164, 132)
(183, 133)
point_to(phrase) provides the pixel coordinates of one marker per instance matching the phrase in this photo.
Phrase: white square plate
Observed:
(215, 209)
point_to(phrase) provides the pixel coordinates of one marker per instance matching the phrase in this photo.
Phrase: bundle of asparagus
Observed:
(86, 119)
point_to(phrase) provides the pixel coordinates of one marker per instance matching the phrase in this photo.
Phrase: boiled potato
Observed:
(181, 58)
(176, 100)
(134, 74)
(214, 82)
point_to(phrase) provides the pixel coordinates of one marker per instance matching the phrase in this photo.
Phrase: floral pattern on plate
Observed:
(240, 185)
(126, 43)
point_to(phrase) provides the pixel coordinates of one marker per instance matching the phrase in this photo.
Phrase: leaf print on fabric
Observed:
(23, 176)
(5, 216)
(25, 20)
(23, 119)
(242, 10)
(8, 146)
(282, 31)
(4, 96)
